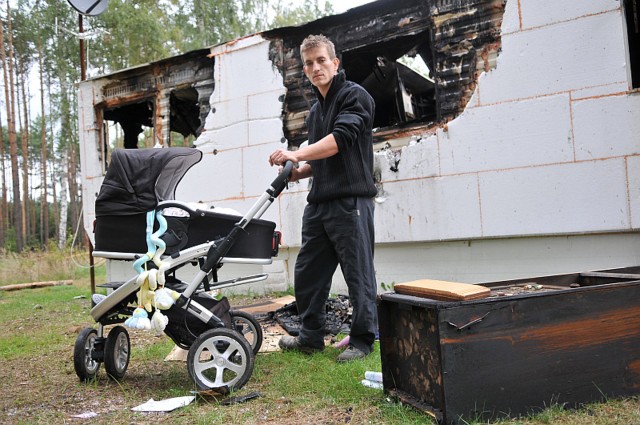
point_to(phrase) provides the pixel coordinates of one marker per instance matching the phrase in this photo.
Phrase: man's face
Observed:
(319, 68)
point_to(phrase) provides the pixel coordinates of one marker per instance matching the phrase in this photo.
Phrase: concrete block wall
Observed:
(540, 174)
(243, 128)
(548, 145)
(92, 170)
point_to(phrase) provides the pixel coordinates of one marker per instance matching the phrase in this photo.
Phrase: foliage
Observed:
(45, 265)
(127, 34)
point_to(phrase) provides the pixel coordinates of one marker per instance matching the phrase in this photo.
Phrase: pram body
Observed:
(221, 342)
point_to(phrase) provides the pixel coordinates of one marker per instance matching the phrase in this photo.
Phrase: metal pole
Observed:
(83, 66)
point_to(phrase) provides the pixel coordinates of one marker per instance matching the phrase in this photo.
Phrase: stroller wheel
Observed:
(83, 355)
(117, 350)
(247, 326)
(220, 359)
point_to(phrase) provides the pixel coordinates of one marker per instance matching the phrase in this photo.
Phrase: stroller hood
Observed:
(138, 179)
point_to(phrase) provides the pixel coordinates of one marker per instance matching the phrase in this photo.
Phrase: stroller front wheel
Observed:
(117, 350)
(84, 363)
(220, 359)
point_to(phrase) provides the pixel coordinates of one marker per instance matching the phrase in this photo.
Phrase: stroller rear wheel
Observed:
(220, 359)
(117, 350)
(84, 363)
(248, 326)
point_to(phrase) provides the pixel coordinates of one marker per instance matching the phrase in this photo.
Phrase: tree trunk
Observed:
(62, 227)
(24, 141)
(70, 154)
(13, 146)
(3, 203)
(54, 192)
(44, 209)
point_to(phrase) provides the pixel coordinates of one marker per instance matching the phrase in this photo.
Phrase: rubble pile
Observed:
(338, 311)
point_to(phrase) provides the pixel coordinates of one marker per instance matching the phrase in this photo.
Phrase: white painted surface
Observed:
(606, 127)
(257, 169)
(507, 135)
(536, 13)
(429, 209)
(511, 18)
(539, 175)
(633, 176)
(496, 259)
(575, 198)
(556, 58)
(215, 178)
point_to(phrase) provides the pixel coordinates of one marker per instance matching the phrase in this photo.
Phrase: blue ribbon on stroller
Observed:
(153, 279)
(155, 245)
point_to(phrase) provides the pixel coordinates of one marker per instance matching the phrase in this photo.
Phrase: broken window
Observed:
(185, 122)
(397, 75)
(132, 119)
(632, 14)
(135, 121)
(165, 104)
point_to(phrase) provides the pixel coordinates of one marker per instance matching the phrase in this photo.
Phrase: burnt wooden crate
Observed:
(533, 343)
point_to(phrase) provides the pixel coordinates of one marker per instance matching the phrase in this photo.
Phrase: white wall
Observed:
(540, 174)
(92, 170)
(547, 146)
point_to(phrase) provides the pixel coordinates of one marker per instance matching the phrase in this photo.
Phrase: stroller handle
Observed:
(282, 179)
(176, 204)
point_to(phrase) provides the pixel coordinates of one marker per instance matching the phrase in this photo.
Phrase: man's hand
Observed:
(281, 156)
(295, 175)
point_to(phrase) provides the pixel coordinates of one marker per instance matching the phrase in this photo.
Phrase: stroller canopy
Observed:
(137, 179)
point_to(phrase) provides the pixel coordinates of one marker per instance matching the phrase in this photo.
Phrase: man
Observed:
(337, 225)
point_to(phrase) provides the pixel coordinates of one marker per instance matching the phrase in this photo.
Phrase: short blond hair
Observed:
(315, 41)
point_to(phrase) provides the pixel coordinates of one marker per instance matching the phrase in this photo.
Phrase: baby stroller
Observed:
(134, 223)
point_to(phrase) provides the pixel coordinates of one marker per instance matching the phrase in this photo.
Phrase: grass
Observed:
(39, 385)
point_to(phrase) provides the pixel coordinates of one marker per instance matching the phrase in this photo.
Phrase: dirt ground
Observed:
(43, 387)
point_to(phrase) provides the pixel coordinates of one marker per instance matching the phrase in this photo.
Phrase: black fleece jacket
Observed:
(347, 113)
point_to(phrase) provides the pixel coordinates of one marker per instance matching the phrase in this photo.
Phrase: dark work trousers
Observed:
(337, 232)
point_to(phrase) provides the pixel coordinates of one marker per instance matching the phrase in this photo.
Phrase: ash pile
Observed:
(338, 312)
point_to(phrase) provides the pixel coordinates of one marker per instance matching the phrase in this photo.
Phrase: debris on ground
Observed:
(85, 415)
(372, 380)
(166, 405)
(338, 319)
(240, 399)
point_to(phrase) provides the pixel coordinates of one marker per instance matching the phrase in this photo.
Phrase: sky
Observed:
(343, 5)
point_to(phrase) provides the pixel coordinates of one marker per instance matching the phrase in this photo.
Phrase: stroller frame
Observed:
(220, 357)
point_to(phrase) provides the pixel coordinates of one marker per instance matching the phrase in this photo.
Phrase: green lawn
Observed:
(38, 329)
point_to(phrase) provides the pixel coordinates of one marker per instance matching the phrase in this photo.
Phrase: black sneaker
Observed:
(290, 343)
(351, 353)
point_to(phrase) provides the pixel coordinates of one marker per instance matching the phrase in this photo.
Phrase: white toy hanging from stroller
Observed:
(222, 343)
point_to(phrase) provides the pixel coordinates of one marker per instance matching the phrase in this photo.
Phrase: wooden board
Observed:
(267, 306)
(442, 290)
(31, 285)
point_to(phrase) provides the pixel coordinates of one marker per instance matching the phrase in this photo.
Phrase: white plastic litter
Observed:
(373, 380)
(372, 384)
(373, 376)
(166, 405)
(85, 415)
